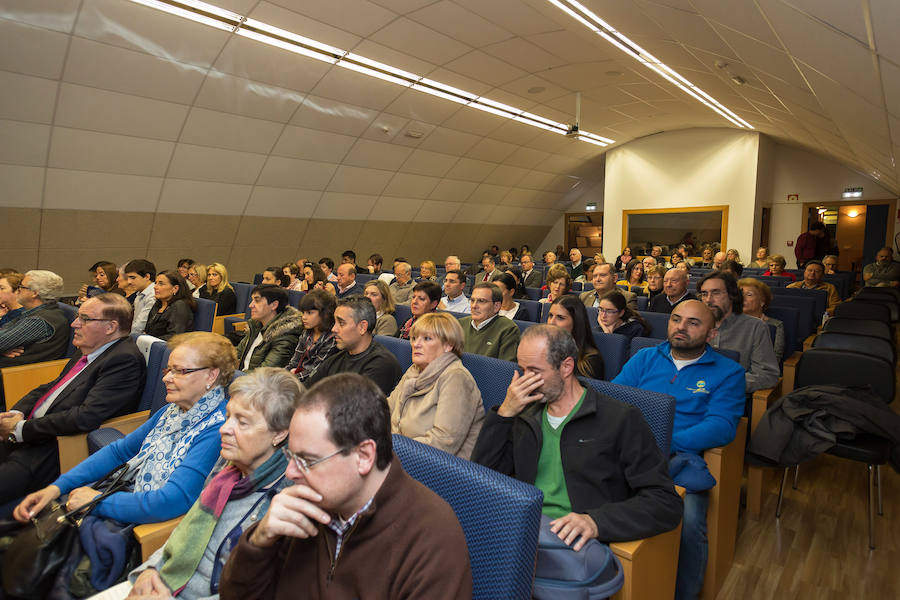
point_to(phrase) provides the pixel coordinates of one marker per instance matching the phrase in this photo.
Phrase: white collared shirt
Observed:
(143, 302)
(483, 324)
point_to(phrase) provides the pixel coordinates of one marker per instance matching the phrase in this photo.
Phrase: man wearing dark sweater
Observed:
(354, 524)
(487, 332)
(674, 291)
(354, 320)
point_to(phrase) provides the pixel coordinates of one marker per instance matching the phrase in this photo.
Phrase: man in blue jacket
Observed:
(709, 401)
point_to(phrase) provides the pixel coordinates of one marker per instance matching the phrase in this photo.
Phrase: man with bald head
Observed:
(709, 401)
(401, 288)
(719, 260)
(674, 291)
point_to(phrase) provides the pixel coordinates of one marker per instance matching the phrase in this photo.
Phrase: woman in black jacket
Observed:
(173, 311)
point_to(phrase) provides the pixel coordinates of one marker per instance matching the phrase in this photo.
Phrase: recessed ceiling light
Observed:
(207, 14)
(586, 17)
(536, 89)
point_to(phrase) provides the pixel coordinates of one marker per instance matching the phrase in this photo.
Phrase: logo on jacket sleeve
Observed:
(699, 388)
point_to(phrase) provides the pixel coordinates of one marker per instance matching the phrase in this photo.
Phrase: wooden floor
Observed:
(819, 548)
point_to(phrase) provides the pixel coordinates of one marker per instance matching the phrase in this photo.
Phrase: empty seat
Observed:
(401, 349)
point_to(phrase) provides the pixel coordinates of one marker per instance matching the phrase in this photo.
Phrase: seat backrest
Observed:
(873, 294)
(658, 322)
(401, 349)
(294, 297)
(643, 302)
(819, 296)
(70, 312)
(639, 343)
(533, 308)
(806, 319)
(257, 279)
(242, 296)
(204, 315)
(879, 291)
(154, 396)
(863, 309)
(863, 344)
(860, 327)
(492, 376)
(499, 517)
(523, 325)
(533, 293)
(592, 312)
(791, 318)
(614, 349)
(658, 409)
(820, 366)
(402, 314)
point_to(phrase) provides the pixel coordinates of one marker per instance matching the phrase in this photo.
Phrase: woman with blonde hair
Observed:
(219, 290)
(437, 401)
(378, 292)
(427, 271)
(734, 255)
(197, 277)
(777, 263)
(757, 298)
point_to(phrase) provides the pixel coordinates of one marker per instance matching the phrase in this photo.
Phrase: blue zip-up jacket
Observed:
(709, 394)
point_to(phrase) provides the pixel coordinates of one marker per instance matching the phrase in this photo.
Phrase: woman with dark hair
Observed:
(314, 279)
(623, 259)
(317, 342)
(509, 308)
(634, 276)
(559, 282)
(616, 317)
(173, 311)
(292, 272)
(105, 275)
(568, 312)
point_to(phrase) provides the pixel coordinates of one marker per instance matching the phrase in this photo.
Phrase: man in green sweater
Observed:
(487, 332)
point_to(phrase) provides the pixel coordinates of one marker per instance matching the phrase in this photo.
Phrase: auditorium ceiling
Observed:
(112, 105)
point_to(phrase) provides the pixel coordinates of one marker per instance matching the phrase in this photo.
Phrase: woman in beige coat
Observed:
(437, 402)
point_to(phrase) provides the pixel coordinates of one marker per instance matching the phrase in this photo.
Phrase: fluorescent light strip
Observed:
(219, 18)
(590, 20)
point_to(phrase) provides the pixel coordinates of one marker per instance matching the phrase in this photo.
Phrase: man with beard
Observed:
(739, 332)
(593, 457)
(709, 401)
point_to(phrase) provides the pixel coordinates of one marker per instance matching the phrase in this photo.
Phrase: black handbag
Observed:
(31, 562)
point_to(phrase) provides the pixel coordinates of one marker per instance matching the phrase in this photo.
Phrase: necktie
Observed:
(75, 370)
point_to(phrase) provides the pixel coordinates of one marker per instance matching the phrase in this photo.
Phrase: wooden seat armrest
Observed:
(789, 372)
(762, 399)
(127, 423)
(73, 448)
(808, 342)
(219, 322)
(152, 536)
(18, 381)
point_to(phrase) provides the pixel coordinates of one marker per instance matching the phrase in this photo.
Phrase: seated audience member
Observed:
(354, 321)
(615, 488)
(437, 401)
(141, 275)
(603, 278)
(272, 332)
(454, 298)
(656, 252)
(374, 264)
(674, 291)
(184, 266)
(41, 331)
(830, 262)
(570, 314)
(623, 259)
(884, 272)
(485, 331)
(219, 290)
(327, 266)
(739, 332)
(314, 279)
(506, 260)
(813, 274)
(615, 316)
(762, 258)
(559, 283)
(685, 266)
(709, 402)
(173, 311)
(402, 286)
(757, 298)
(346, 281)
(675, 260)
(293, 274)
(655, 278)
(734, 255)
(509, 308)
(351, 499)
(126, 286)
(549, 258)
(577, 267)
(272, 276)
(531, 277)
(104, 274)
(706, 258)
(649, 263)
(733, 267)
(718, 260)
(634, 276)
(776, 268)
(170, 454)
(104, 379)
(424, 299)
(377, 291)
(489, 271)
(10, 308)
(348, 257)
(316, 342)
(685, 255)
(587, 265)
(197, 278)
(250, 470)
(427, 271)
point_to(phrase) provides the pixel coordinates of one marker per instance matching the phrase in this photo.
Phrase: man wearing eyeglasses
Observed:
(487, 332)
(41, 332)
(354, 519)
(104, 379)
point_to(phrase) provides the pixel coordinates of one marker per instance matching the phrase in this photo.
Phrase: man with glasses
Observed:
(487, 332)
(104, 379)
(41, 332)
(354, 519)
(739, 332)
(603, 278)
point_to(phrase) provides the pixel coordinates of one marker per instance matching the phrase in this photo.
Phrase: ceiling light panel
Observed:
(589, 19)
(219, 18)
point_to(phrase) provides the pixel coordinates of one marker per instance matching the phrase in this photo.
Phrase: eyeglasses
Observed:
(303, 464)
(24, 287)
(609, 311)
(182, 372)
(711, 293)
(86, 319)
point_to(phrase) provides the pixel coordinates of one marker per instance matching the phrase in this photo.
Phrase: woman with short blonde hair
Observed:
(427, 271)
(219, 290)
(378, 292)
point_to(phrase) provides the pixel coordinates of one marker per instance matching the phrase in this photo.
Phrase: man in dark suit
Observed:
(346, 281)
(531, 277)
(675, 291)
(104, 379)
(489, 271)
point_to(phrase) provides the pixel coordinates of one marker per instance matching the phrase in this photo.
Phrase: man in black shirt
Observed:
(354, 320)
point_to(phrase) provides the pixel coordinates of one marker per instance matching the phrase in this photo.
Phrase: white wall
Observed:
(577, 200)
(687, 168)
(813, 178)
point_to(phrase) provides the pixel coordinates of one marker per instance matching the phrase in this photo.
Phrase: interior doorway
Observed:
(857, 229)
(584, 230)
